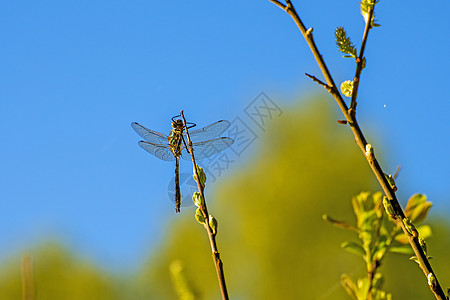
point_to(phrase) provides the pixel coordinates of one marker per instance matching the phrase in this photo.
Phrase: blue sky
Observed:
(75, 74)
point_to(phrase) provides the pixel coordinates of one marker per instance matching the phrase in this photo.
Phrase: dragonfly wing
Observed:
(208, 148)
(208, 132)
(150, 135)
(160, 151)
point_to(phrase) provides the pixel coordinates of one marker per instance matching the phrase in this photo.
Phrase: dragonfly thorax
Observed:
(175, 137)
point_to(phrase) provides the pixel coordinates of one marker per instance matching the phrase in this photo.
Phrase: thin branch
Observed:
(212, 237)
(314, 78)
(397, 172)
(340, 224)
(307, 34)
(370, 156)
(279, 4)
(360, 61)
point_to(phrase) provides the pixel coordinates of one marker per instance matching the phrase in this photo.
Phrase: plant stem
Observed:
(350, 116)
(360, 61)
(212, 237)
(27, 279)
(278, 3)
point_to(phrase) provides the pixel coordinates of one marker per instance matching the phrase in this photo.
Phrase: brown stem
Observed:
(212, 237)
(370, 274)
(360, 61)
(362, 143)
(278, 3)
(28, 290)
(314, 78)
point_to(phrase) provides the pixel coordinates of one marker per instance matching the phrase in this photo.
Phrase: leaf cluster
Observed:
(199, 201)
(344, 43)
(377, 237)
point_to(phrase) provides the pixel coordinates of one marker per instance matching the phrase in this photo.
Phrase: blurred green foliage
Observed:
(272, 239)
(57, 275)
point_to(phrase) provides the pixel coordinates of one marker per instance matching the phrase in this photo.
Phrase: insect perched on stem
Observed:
(174, 146)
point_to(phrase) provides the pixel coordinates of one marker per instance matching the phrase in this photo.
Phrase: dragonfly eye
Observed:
(177, 123)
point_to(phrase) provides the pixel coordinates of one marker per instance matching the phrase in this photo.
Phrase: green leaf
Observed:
(367, 220)
(388, 207)
(338, 223)
(213, 224)
(377, 198)
(344, 44)
(381, 295)
(414, 258)
(410, 227)
(424, 232)
(363, 288)
(354, 248)
(361, 204)
(402, 249)
(198, 199)
(349, 286)
(380, 249)
(391, 182)
(423, 244)
(417, 208)
(199, 216)
(379, 254)
(202, 176)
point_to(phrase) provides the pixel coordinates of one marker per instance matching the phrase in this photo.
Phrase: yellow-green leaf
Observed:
(199, 216)
(213, 224)
(198, 199)
(353, 248)
(402, 249)
(424, 232)
(349, 286)
(417, 208)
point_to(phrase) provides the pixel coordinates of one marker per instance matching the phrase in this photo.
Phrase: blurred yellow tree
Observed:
(58, 275)
(272, 238)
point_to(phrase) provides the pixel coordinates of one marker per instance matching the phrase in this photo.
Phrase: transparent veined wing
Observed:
(160, 151)
(208, 148)
(149, 135)
(208, 132)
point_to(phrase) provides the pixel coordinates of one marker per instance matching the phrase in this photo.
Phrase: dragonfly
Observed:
(174, 146)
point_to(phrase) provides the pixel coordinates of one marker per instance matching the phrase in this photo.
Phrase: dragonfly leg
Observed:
(184, 142)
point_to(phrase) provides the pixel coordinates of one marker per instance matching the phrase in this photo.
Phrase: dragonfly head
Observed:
(178, 123)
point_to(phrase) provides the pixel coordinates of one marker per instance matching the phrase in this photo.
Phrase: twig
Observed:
(212, 237)
(399, 216)
(360, 61)
(314, 78)
(397, 172)
(341, 224)
(278, 3)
